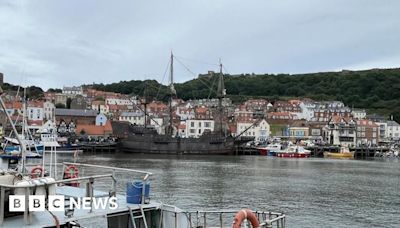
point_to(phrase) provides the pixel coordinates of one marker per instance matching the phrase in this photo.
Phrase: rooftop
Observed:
(132, 114)
(75, 112)
(392, 123)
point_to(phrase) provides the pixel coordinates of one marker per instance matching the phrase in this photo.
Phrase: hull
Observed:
(163, 144)
(266, 152)
(338, 155)
(293, 155)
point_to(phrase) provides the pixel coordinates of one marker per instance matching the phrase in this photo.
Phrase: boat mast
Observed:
(24, 122)
(145, 104)
(172, 94)
(221, 92)
(20, 141)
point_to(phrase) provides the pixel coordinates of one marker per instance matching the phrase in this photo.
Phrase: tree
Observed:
(51, 90)
(69, 100)
(59, 105)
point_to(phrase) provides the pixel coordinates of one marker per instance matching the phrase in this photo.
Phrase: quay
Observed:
(359, 152)
(318, 151)
(107, 147)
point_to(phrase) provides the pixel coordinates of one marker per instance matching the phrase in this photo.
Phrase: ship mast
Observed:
(221, 92)
(145, 103)
(172, 94)
(20, 141)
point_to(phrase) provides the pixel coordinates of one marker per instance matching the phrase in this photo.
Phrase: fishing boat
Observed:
(147, 140)
(270, 149)
(42, 196)
(294, 152)
(344, 152)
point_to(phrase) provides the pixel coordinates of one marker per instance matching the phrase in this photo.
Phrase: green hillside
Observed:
(376, 90)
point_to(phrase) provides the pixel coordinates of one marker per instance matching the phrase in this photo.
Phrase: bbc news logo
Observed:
(17, 203)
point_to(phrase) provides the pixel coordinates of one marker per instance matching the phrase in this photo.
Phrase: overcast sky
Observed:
(56, 43)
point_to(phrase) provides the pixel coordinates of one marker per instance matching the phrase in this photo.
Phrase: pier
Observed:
(109, 147)
(318, 151)
(359, 152)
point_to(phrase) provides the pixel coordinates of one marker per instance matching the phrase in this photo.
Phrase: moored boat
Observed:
(270, 150)
(294, 152)
(142, 139)
(344, 152)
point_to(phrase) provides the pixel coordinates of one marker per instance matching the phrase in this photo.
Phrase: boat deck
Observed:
(45, 219)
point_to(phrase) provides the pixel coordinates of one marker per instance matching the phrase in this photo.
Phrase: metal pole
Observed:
(2, 196)
(205, 219)
(55, 163)
(51, 160)
(23, 146)
(220, 220)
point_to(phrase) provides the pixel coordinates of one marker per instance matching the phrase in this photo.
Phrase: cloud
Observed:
(56, 43)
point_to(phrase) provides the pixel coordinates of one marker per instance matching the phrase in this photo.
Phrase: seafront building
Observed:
(296, 119)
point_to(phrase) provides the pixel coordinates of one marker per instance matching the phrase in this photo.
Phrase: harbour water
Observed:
(312, 192)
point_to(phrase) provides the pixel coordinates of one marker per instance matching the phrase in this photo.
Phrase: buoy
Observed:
(70, 172)
(245, 214)
(37, 172)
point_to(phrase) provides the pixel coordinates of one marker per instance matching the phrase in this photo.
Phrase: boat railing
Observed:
(28, 188)
(145, 178)
(224, 218)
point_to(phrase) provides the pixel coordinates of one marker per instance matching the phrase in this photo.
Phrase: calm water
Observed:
(312, 192)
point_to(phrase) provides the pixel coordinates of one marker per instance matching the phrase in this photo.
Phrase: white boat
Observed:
(270, 149)
(294, 152)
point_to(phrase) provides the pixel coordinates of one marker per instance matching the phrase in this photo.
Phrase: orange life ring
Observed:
(37, 172)
(245, 214)
(70, 172)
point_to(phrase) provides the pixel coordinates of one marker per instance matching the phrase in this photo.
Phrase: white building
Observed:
(35, 112)
(185, 113)
(393, 130)
(74, 90)
(307, 110)
(49, 110)
(340, 131)
(359, 113)
(135, 118)
(100, 106)
(260, 131)
(119, 101)
(382, 128)
(101, 120)
(48, 126)
(157, 123)
(195, 128)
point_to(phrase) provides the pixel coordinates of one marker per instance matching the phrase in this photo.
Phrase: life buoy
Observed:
(37, 172)
(245, 214)
(70, 172)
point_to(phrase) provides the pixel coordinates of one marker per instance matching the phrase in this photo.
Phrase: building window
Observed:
(192, 124)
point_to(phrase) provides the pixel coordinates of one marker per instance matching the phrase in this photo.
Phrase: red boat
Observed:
(269, 150)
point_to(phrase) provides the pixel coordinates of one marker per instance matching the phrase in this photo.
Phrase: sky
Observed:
(52, 44)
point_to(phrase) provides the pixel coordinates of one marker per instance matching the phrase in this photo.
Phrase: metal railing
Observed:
(89, 187)
(218, 218)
